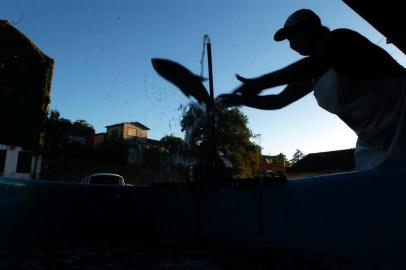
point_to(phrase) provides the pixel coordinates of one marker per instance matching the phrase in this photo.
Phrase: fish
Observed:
(189, 83)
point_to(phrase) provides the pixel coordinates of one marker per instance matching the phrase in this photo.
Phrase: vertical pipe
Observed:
(210, 71)
(211, 88)
(211, 107)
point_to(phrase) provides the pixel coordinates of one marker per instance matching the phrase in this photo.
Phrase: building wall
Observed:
(11, 163)
(98, 139)
(142, 133)
(115, 132)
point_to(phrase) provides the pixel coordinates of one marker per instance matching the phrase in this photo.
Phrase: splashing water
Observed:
(178, 158)
(196, 124)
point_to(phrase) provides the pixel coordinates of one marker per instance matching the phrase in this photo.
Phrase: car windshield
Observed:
(105, 180)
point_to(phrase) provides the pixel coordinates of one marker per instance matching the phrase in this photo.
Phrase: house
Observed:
(16, 162)
(134, 135)
(99, 138)
(275, 163)
(26, 74)
(322, 163)
(126, 131)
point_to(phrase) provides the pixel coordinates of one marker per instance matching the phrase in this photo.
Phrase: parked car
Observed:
(268, 173)
(272, 176)
(104, 179)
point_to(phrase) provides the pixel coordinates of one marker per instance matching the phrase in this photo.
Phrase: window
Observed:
(24, 162)
(132, 132)
(105, 180)
(2, 160)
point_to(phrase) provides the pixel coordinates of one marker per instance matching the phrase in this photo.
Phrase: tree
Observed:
(84, 123)
(56, 128)
(233, 138)
(172, 144)
(298, 155)
(54, 115)
(60, 135)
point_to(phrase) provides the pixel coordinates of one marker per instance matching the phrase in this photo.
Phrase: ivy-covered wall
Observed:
(25, 85)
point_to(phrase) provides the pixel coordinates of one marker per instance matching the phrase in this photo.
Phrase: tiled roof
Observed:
(141, 126)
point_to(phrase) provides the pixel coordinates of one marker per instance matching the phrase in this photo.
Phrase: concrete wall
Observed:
(358, 215)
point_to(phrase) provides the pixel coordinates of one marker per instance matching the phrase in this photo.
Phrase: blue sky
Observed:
(102, 51)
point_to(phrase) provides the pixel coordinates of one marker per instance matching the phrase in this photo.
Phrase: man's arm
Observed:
(304, 69)
(290, 94)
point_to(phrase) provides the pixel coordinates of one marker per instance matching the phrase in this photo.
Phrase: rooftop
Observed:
(332, 160)
(137, 124)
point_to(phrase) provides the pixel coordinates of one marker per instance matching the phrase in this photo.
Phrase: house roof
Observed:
(332, 160)
(137, 124)
(153, 142)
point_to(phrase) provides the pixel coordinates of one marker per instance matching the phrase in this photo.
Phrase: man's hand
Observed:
(249, 87)
(229, 100)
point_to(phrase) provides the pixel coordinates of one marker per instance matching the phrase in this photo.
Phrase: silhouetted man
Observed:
(350, 76)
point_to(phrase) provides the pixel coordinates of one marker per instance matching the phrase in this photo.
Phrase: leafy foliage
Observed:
(56, 129)
(60, 136)
(298, 155)
(233, 137)
(82, 122)
(172, 144)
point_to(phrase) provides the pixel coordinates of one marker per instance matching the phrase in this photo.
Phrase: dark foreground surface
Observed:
(103, 255)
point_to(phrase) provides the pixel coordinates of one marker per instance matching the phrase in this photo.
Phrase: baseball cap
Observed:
(298, 19)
